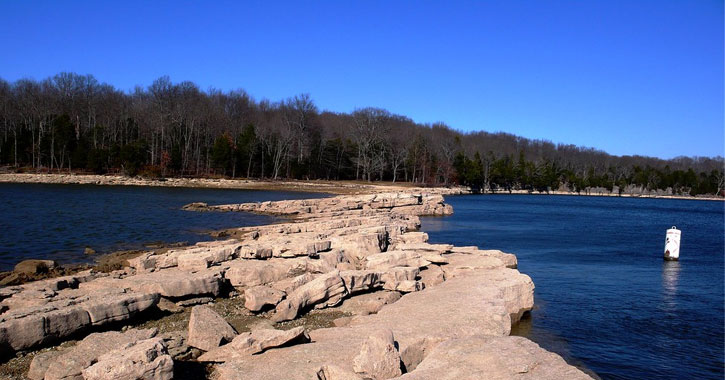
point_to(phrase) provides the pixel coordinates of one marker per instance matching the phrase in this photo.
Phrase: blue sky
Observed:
(628, 77)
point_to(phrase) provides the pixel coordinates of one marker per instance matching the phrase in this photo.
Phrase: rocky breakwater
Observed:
(413, 310)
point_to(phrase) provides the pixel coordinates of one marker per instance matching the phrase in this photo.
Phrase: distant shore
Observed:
(315, 186)
(615, 195)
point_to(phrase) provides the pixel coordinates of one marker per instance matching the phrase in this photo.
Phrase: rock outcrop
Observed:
(410, 308)
(461, 307)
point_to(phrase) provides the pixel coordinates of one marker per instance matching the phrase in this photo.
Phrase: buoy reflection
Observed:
(670, 278)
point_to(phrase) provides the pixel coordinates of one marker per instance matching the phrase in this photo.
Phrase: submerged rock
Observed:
(196, 206)
(35, 266)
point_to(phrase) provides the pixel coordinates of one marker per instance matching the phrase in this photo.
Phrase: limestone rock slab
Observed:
(175, 283)
(71, 363)
(142, 360)
(328, 290)
(256, 298)
(207, 329)
(254, 342)
(378, 358)
(262, 272)
(495, 358)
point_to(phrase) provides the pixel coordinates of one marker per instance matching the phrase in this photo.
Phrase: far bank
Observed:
(314, 186)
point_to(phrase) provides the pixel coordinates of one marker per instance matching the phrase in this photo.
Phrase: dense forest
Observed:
(71, 122)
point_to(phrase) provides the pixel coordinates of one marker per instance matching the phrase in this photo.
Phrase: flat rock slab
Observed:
(479, 302)
(260, 340)
(299, 362)
(261, 272)
(256, 298)
(68, 312)
(390, 259)
(508, 259)
(492, 358)
(369, 303)
(175, 283)
(146, 359)
(460, 263)
(482, 301)
(71, 363)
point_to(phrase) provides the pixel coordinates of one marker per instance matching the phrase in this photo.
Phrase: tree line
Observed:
(72, 122)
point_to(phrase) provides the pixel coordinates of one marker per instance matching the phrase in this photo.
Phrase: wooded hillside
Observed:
(73, 122)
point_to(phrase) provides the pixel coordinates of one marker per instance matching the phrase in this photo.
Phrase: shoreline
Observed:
(605, 195)
(312, 186)
(351, 277)
(315, 186)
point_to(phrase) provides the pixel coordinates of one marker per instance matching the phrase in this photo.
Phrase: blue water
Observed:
(604, 297)
(59, 221)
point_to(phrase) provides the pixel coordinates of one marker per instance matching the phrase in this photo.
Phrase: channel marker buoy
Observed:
(672, 244)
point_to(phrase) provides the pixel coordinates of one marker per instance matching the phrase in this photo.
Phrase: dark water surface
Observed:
(604, 298)
(58, 221)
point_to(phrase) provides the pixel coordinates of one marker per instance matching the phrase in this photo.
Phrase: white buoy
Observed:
(672, 244)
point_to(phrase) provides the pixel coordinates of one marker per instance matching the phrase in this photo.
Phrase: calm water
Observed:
(605, 299)
(58, 221)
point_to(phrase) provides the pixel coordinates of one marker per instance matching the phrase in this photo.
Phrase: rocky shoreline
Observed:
(347, 288)
(319, 186)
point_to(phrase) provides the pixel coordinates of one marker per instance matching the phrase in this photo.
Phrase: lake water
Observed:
(59, 221)
(605, 299)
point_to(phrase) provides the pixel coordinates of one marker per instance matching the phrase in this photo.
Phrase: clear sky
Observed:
(628, 77)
